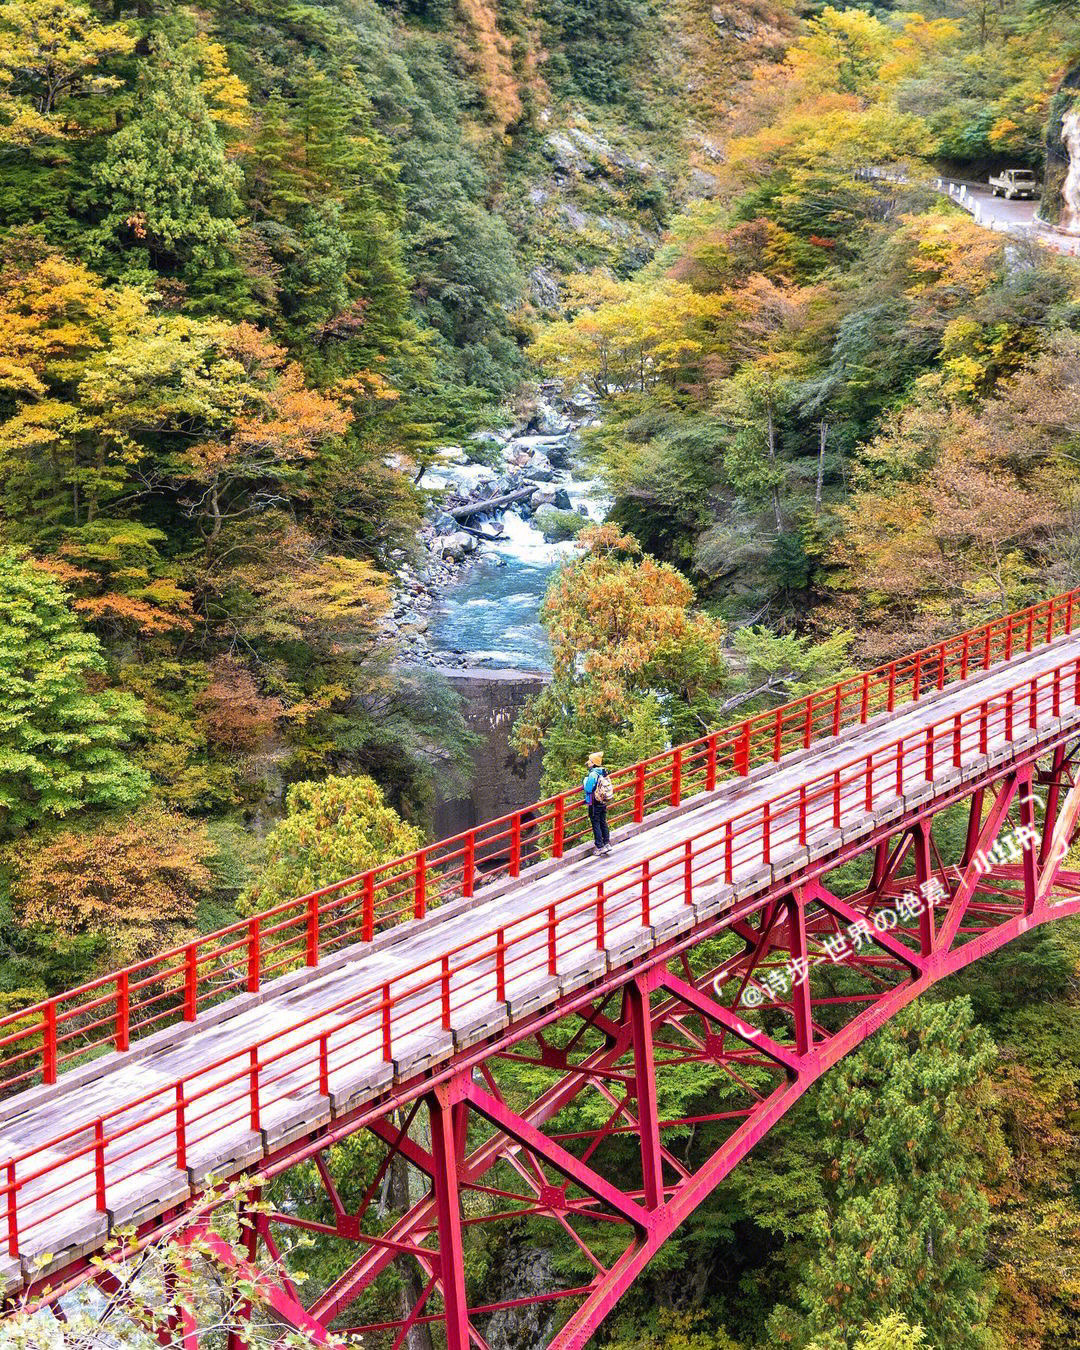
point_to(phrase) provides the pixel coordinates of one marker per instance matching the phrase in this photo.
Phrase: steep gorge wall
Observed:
(500, 782)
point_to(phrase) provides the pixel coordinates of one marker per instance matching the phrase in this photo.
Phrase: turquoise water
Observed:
(493, 614)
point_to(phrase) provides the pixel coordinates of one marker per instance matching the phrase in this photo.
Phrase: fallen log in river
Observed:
(490, 503)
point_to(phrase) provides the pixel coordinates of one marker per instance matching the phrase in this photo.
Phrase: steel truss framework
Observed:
(592, 1156)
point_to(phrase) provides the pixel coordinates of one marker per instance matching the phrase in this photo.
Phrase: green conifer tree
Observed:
(62, 742)
(904, 1225)
(346, 156)
(165, 181)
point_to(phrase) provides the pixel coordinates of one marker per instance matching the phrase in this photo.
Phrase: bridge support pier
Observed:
(652, 1165)
(445, 1135)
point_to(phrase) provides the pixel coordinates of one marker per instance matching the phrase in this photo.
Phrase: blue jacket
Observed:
(589, 785)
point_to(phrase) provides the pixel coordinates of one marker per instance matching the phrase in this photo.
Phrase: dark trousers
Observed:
(598, 821)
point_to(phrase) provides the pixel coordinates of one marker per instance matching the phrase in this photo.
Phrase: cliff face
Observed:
(499, 782)
(594, 119)
(1061, 196)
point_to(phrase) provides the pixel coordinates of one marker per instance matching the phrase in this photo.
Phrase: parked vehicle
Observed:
(1015, 183)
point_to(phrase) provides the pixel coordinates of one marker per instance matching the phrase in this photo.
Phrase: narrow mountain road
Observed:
(1013, 217)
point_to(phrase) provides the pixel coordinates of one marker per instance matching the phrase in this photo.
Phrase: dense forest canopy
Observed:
(258, 262)
(259, 259)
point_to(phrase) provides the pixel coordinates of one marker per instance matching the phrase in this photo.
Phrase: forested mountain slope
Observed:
(849, 411)
(858, 402)
(258, 259)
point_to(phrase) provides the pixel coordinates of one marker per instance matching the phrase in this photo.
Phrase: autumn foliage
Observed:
(622, 623)
(332, 829)
(235, 714)
(633, 663)
(494, 62)
(146, 871)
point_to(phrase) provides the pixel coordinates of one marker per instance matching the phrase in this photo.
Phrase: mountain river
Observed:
(485, 628)
(492, 614)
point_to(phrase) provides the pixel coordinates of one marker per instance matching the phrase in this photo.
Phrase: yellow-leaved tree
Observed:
(633, 666)
(630, 336)
(54, 60)
(332, 830)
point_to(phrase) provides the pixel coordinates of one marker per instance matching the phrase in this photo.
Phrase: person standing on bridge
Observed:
(599, 790)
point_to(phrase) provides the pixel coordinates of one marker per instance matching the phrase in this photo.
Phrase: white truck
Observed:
(1015, 183)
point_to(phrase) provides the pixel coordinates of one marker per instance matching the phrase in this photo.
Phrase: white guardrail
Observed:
(962, 195)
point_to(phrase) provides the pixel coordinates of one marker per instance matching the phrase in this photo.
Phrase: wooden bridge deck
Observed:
(57, 1214)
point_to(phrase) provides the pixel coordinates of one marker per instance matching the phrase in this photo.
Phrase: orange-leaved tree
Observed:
(993, 523)
(133, 878)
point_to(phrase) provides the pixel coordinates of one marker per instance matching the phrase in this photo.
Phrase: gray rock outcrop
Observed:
(1060, 203)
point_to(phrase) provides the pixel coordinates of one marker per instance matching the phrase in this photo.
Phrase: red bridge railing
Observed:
(178, 985)
(183, 1123)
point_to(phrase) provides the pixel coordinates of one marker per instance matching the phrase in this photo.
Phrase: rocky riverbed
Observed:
(473, 600)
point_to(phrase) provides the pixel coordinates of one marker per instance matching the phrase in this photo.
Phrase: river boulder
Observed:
(548, 420)
(554, 448)
(539, 467)
(581, 401)
(543, 496)
(458, 545)
(562, 500)
(490, 440)
(533, 442)
(466, 480)
(451, 454)
(445, 523)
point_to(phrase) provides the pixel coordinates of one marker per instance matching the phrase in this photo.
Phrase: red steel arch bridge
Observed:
(719, 933)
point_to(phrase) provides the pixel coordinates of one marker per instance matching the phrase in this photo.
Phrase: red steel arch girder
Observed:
(657, 1222)
(604, 1294)
(680, 1201)
(810, 1068)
